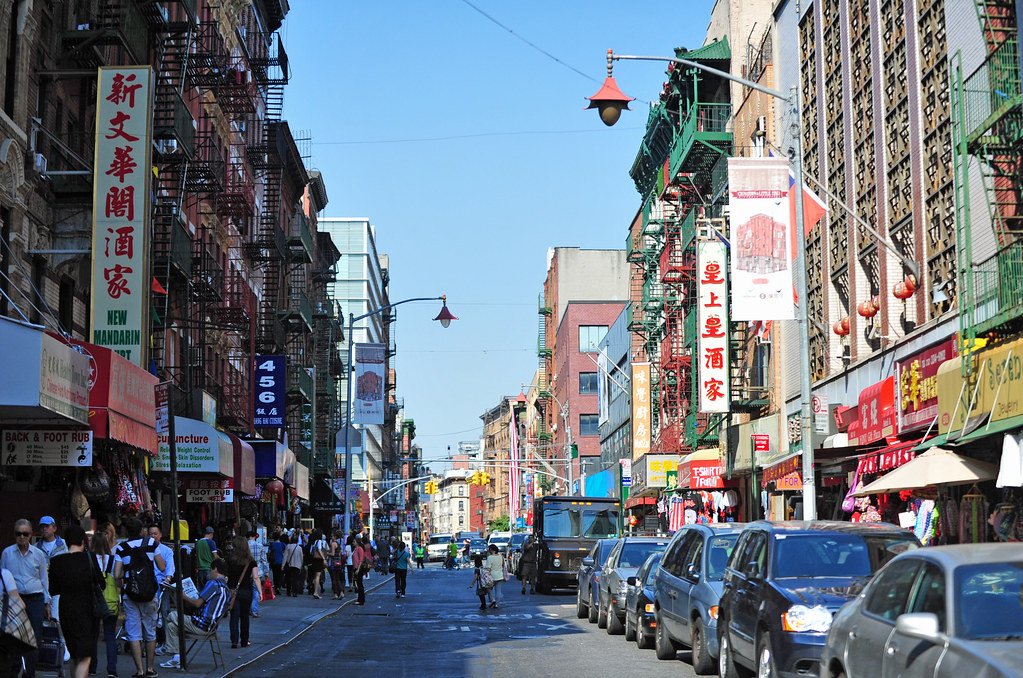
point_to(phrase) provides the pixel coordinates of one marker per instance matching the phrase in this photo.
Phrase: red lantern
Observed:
(902, 291)
(839, 329)
(845, 324)
(274, 487)
(911, 283)
(868, 309)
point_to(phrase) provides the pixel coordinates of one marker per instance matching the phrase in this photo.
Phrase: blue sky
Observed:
(473, 217)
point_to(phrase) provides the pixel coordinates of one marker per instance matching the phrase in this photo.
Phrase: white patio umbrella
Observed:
(936, 466)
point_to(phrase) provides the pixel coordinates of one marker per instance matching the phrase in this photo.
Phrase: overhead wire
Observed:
(476, 135)
(39, 295)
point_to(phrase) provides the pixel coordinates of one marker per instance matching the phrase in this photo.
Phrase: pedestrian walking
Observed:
(401, 561)
(27, 564)
(337, 564)
(293, 567)
(11, 649)
(420, 552)
(139, 562)
(498, 571)
(362, 559)
(205, 552)
(450, 564)
(111, 569)
(163, 576)
(350, 545)
(276, 558)
(527, 564)
(243, 581)
(481, 580)
(73, 579)
(258, 551)
(318, 551)
(383, 555)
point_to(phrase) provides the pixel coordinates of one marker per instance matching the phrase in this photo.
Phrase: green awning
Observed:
(717, 50)
(994, 427)
(931, 442)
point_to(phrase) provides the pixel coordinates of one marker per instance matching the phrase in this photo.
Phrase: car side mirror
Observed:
(693, 572)
(631, 581)
(752, 571)
(919, 625)
(587, 561)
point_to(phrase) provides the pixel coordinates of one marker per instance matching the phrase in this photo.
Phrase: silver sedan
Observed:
(946, 611)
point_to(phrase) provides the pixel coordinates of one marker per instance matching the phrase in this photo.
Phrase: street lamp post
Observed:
(444, 318)
(610, 101)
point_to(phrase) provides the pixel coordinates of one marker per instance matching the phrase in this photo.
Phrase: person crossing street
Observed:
(420, 551)
(401, 561)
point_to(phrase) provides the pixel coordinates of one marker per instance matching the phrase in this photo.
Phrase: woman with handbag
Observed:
(317, 562)
(17, 637)
(110, 570)
(78, 583)
(498, 572)
(243, 580)
(337, 563)
(362, 560)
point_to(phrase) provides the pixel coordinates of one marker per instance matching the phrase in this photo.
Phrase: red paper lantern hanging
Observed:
(845, 324)
(274, 487)
(902, 291)
(840, 329)
(868, 309)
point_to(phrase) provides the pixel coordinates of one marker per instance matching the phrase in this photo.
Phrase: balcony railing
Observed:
(703, 122)
(300, 239)
(990, 92)
(173, 124)
(181, 247)
(299, 312)
(301, 383)
(104, 23)
(997, 289)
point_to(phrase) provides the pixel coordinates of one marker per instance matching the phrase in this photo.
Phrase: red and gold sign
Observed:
(712, 327)
(918, 385)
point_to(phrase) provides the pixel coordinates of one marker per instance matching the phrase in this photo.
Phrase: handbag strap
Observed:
(6, 606)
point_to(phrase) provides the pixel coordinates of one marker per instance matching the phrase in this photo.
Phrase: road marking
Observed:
(551, 627)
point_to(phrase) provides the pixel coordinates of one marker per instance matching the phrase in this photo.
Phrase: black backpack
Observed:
(140, 576)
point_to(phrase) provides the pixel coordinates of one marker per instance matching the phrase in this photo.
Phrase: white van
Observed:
(500, 539)
(437, 548)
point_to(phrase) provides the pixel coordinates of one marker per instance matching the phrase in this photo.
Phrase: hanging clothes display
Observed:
(973, 515)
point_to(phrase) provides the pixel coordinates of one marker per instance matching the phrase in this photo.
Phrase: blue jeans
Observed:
(35, 606)
(109, 627)
(255, 599)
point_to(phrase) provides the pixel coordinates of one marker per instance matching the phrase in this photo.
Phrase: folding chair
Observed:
(198, 642)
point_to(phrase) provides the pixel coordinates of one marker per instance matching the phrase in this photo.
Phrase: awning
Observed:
(200, 449)
(937, 466)
(244, 466)
(877, 415)
(122, 400)
(790, 464)
(45, 381)
(634, 502)
(701, 470)
(302, 481)
(994, 427)
(273, 459)
(836, 440)
(887, 458)
(931, 442)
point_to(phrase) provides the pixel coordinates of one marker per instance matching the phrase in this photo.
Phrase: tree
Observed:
(502, 524)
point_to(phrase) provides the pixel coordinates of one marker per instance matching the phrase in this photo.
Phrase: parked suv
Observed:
(588, 577)
(687, 589)
(783, 584)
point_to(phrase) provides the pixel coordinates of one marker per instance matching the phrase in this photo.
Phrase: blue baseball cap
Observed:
(47, 520)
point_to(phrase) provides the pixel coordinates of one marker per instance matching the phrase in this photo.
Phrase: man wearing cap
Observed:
(52, 545)
(29, 567)
(205, 552)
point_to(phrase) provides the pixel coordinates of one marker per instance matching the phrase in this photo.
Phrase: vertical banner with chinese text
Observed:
(712, 327)
(121, 212)
(641, 433)
(368, 403)
(762, 285)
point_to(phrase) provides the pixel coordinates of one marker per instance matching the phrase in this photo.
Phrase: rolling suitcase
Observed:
(51, 648)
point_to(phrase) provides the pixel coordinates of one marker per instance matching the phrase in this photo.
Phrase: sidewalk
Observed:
(279, 622)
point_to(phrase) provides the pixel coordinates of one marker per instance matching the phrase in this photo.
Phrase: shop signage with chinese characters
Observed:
(640, 409)
(785, 475)
(712, 327)
(47, 448)
(658, 466)
(219, 491)
(271, 382)
(121, 208)
(876, 415)
(918, 385)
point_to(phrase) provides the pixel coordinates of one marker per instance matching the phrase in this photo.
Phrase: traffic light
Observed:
(474, 479)
(431, 487)
(484, 478)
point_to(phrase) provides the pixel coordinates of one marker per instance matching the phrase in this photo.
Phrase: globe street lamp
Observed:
(610, 101)
(444, 317)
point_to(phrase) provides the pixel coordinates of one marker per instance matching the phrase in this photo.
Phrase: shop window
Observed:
(588, 383)
(588, 425)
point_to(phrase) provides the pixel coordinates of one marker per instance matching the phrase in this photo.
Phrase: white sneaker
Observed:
(161, 650)
(171, 664)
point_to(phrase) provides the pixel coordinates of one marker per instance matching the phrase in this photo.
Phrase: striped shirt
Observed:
(215, 596)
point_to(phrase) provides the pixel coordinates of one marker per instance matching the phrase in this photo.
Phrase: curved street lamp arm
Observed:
(721, 74)
(397, 303)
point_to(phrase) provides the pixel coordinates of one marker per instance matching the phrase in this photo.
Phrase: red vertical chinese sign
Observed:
(712, 327)
(121, 209)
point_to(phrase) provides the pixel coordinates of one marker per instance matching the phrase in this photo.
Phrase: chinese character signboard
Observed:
(640, 409)
(918, 385)
(877, 416)
(271, 383)
(761, 258)
(120, 208)
(47, 448)
(368, 399)
(712, 327)
(658, 466)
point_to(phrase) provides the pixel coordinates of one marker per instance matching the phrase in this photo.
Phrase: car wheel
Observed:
(662, 644)
(765, 658)
(580, 606)
(630, 630)
(592, 609)
(643, 641)
(601, 614)
(703, 664)
(726, 662)
(614, 624)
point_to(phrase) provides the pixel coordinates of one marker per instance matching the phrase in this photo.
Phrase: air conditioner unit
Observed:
(39, 163)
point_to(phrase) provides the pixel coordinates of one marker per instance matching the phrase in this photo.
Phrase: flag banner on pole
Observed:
(368, 404)
(513, 471)
(712, 327)
(814, 209)
(760, 233)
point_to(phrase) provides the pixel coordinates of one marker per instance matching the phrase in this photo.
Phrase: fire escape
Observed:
(987, 113)
(544, 396)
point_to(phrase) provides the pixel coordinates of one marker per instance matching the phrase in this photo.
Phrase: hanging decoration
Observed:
(869, 308)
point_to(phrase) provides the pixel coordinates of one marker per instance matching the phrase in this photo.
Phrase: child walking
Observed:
(477, 581)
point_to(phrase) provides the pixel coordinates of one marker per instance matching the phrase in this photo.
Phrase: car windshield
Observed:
(821, 555)
(574, 519)
(635, 553)
(989, 604)
(440, 539)
(718, 551)
(477, 545)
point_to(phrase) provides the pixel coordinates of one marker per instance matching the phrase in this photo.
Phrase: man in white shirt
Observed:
(29, 567)
(52, 545)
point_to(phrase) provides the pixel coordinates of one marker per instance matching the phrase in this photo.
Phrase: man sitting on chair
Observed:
(211, 602)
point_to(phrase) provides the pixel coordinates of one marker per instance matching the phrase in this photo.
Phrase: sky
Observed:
(470, 151)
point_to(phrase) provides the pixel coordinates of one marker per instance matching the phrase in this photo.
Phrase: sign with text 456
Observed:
(270, 381)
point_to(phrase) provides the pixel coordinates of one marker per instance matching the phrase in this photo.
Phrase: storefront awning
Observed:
(244, 466)
(200, 449)
(937, 466)
(701, 470)
(994, 427)
(634, 502)
(45, 381)
(301, 482)
(932, 442)
(887, 458)
(273, 459)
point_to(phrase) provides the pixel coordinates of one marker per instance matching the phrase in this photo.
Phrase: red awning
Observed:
(244, 466)
(639, 501)
(888, 458)
(791, 465)
(110, 424)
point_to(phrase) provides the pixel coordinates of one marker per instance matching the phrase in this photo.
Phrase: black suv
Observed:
(783, 583)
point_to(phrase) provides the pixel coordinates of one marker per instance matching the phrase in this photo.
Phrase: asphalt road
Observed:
(438, 630)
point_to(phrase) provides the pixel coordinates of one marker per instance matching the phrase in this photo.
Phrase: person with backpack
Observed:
(482, 590)
(111, 571)
(139, 562)
(401, 561)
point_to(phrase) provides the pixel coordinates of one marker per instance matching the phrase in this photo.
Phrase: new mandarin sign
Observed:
(120, 208)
